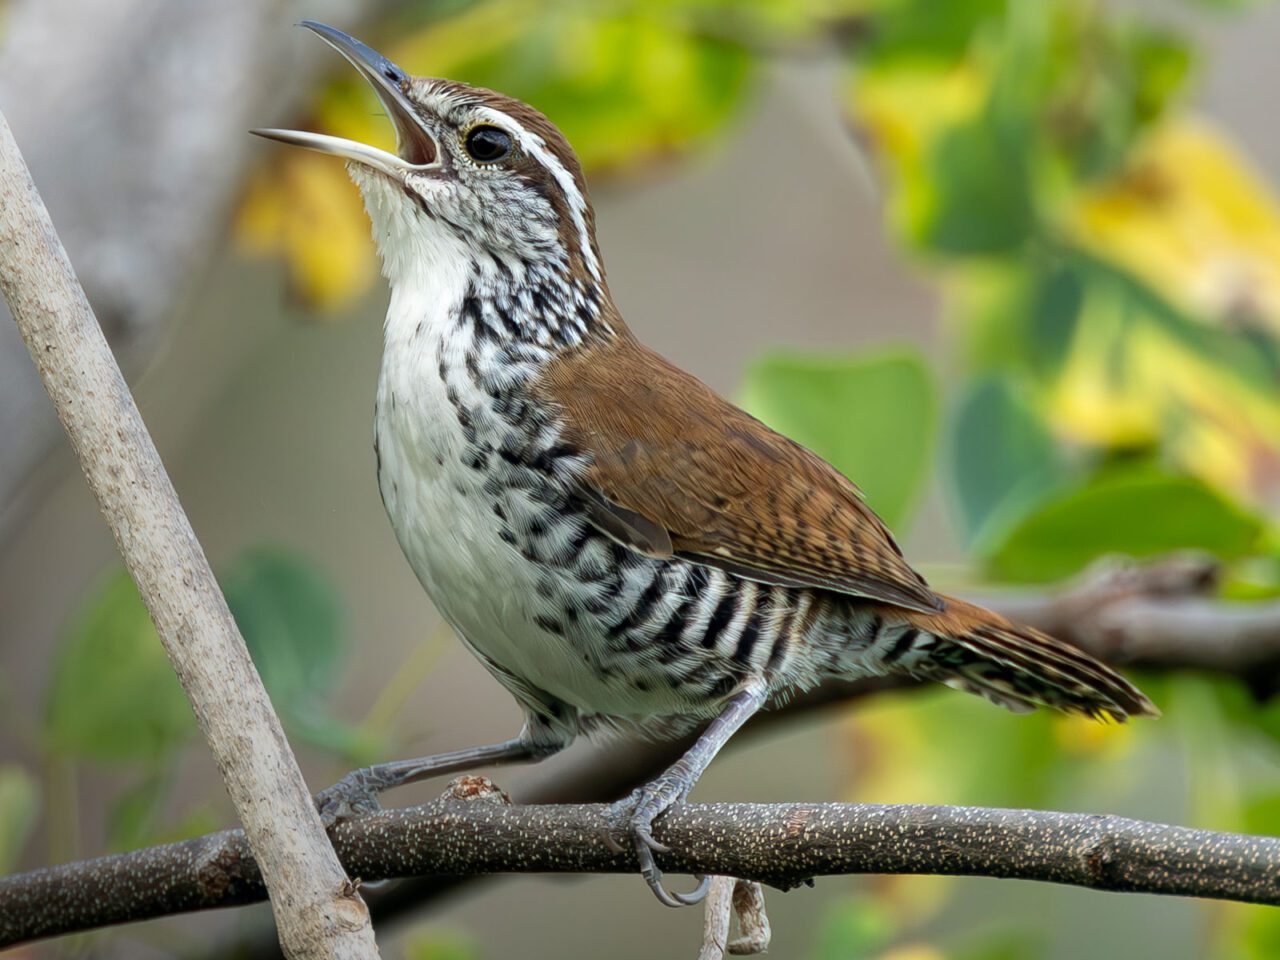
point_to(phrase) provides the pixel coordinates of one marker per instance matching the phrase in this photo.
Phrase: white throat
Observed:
(426, 265)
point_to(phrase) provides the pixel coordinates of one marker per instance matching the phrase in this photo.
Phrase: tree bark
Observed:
(783, 845)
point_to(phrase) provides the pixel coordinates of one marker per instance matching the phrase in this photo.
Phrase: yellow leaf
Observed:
(904, 108)
(914, 951)
(1084, 736)
(1191, 219)
(1127, 385)
(1096, 400)
(305, 209)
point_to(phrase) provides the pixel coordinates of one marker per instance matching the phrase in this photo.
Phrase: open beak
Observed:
(415, 147)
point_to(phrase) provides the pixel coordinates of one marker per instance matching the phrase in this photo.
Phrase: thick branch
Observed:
(779, 844)
(1159, 615)
(317, 911)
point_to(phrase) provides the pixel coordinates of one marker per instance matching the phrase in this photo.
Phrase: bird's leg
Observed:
(636, 813)
(357, 792)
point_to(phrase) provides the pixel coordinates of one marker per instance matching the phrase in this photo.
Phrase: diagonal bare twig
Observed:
(318, 912)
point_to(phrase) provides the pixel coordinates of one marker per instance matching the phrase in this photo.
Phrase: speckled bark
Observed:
(779, 844)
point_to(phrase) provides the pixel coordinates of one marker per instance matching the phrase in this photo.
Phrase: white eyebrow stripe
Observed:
(536, 147)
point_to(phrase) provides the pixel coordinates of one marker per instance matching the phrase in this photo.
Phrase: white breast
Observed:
(442, 514)
(443, 511)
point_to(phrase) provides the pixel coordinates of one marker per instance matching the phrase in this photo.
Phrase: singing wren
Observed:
(619, 546)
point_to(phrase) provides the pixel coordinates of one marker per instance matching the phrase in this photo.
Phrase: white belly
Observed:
(445, 521)
(446, 526)
(497, 544)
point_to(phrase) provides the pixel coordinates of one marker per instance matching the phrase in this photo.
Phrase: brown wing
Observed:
(676, 469)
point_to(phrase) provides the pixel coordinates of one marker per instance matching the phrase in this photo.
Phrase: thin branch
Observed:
(318, 912)
(727, 898)
(717, 912)
(753, 922)
(783, 845)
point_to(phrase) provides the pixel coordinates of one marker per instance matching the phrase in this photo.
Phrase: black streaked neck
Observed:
(544, 303)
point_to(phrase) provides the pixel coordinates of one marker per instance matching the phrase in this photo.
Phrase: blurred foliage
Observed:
(433, 943)
(113, 696)
(113, 699)
(1109, 265)
(1001, 457)
(854, 928)
(293, 624)
(872, 417)
(19, 810)
(1109, 262)
(1139, 513)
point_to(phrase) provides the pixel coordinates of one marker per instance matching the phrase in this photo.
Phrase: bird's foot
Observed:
(354, 795)
(631, 821)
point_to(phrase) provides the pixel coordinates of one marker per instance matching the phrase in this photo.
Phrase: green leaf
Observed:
(1139, 513)
(1001, 459)
(982, 192)
(355, 744)
(113, 695)
(1262, 814)
(1005, 945)
(926, 29)
(292, 623)
(1260, 938)
(437, 944)
(19, 810)
(872, 417)
(1052, 314)
(133, 814)
(1162, 62)
(853, 929)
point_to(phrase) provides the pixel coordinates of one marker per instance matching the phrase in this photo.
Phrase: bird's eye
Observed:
(488, 144)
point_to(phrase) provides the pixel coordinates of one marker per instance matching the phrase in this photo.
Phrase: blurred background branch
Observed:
(173, 87)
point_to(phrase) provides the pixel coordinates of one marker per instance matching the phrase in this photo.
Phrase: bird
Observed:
(623, 549)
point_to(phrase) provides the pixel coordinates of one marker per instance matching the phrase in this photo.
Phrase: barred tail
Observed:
(981, 652)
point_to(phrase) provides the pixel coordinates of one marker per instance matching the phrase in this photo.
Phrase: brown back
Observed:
(725, 489)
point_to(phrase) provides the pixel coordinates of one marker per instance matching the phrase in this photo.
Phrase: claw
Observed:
(632, 820)
(653, 877)
(348, 798)
(644, 833)
(611, 841)
(640, 826)
(697, 894)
